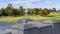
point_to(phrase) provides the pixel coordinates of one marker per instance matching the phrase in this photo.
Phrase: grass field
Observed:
(53, 15)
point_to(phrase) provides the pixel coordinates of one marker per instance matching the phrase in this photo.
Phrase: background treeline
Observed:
(11, 11)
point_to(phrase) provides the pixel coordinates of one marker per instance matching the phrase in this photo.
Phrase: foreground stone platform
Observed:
(29, 26)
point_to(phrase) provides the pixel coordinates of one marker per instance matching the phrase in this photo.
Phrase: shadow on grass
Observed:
(49, 16)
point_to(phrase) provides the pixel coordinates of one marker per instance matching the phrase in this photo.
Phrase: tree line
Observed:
(11, 11)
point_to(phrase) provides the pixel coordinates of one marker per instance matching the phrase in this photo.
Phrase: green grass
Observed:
(53, 15)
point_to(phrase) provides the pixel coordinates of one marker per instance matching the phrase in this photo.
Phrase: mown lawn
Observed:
(53, 15)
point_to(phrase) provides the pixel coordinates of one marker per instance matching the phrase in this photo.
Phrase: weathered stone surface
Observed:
(55, 25)
(31, 27)
(24, 20)
(4, 26)
(28, 26)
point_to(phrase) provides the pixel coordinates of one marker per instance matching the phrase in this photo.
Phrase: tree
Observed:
(22, 12)
(9, 9)
(35, 11)
(3, 12)
(50, 10)
(46, 11)
(40, 12)
(15, 12)
(0, 12)
(30, 11)
(54, 9)
(59, 10)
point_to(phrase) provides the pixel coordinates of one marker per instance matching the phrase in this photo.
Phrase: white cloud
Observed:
(34, 0)
(22, 2)
(26, 3)
(48, 2)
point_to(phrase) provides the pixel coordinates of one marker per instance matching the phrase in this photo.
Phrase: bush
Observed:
(46, 12)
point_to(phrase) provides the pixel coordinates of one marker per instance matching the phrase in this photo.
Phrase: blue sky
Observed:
(32, 3)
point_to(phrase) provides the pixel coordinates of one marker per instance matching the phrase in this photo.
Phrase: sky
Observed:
(32, 3)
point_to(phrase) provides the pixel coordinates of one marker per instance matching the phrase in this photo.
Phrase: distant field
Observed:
(53, 15)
